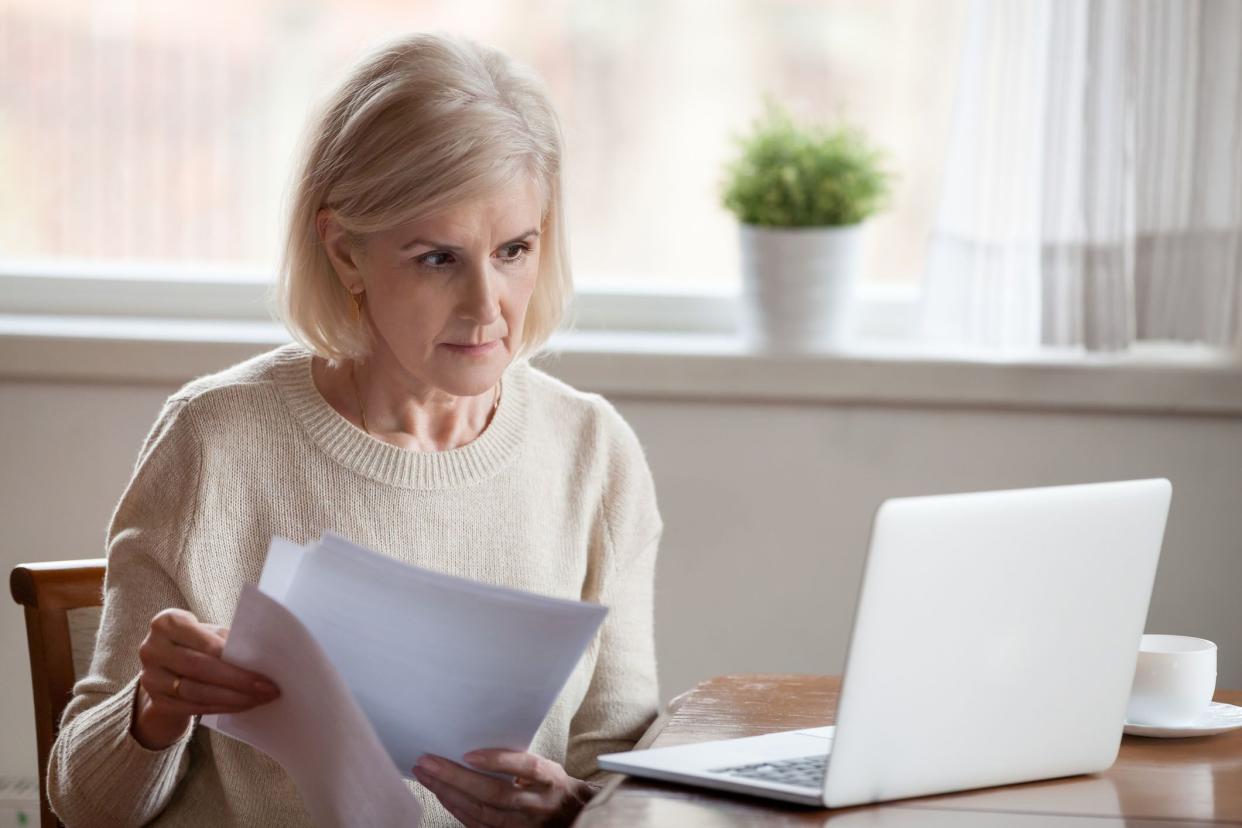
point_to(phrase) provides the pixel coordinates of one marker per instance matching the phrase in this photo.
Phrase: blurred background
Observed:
(158, 131)
(1052, 295)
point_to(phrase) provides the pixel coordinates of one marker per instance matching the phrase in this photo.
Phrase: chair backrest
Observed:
(61, 600)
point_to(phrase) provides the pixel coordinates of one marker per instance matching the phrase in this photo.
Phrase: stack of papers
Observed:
(380, 662)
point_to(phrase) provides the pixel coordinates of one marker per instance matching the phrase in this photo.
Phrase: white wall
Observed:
(767, 507)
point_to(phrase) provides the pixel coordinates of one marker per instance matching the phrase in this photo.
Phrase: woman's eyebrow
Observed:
(528, 234)
(426, 243)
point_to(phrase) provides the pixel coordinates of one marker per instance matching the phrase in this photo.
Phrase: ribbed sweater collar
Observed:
(353, 448)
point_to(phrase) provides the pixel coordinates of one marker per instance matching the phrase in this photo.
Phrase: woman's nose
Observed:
(479, 302)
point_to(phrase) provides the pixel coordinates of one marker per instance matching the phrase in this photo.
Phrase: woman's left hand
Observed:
(542, 793)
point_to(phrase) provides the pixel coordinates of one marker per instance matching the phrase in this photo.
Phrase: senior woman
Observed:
(426, 260)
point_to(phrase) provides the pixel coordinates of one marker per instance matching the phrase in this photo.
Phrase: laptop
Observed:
(994, 642)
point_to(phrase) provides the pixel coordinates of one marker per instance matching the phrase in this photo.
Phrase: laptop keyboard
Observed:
(803, 772)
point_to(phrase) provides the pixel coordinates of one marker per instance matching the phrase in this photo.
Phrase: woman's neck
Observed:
(400, 411)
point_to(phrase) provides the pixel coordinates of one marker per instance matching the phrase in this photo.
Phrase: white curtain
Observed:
(1093, 187)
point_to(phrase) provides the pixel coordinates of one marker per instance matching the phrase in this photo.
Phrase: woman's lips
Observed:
(471, 350)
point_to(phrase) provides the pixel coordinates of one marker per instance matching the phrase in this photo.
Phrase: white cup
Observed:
(1174, 680)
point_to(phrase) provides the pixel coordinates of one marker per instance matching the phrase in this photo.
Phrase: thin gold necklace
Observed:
(362, 412)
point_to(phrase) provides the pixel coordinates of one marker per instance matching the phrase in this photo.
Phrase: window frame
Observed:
(176, 291)
(113, 323)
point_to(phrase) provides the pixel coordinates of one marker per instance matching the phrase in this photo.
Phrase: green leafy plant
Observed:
(804, 175)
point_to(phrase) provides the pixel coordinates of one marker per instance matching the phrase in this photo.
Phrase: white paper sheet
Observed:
(283, 559)
(380, 662)
(439, 664)
(315, 730)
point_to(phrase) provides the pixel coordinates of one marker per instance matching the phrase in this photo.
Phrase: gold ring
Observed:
(177, 687)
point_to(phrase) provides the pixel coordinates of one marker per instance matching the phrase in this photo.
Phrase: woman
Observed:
(426, 260)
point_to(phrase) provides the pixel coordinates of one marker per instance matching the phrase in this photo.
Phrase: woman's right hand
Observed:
(183, 676)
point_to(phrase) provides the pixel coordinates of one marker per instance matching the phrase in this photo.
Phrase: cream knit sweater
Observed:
(554, 497)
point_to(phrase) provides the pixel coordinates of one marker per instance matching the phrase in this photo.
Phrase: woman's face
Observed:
(446, 297)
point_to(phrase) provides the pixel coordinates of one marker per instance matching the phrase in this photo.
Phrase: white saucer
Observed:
(1218, 718)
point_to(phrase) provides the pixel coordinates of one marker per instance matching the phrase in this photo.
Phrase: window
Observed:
(159, 133)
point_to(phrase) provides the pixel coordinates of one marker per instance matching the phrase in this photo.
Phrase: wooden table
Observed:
(1154, 782)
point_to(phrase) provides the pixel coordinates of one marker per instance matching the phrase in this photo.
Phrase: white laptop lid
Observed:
(995, 638)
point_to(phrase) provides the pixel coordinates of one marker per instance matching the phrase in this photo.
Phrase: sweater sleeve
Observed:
(98, 774)
(623, 696)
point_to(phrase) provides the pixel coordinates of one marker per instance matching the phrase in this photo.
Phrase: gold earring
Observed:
(357, 314)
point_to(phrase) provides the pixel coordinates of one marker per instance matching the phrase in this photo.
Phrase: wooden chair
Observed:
(62, 601)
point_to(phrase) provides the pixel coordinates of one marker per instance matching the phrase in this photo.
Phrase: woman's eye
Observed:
(435, 258)
(515, 251)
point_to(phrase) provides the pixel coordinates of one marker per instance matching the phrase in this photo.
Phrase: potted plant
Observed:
(801, 194)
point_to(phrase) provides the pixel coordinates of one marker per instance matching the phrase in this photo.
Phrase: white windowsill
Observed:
(675, 366)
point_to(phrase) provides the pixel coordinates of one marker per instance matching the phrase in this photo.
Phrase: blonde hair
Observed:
(425, 123)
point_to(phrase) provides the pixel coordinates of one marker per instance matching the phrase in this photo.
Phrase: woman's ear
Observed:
(340, 249)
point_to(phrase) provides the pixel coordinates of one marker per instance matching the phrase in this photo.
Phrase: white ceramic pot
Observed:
(798, 285)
